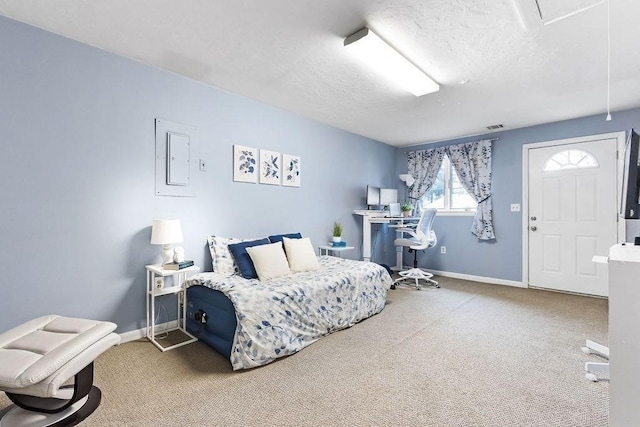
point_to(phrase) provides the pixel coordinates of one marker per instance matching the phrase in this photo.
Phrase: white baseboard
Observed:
(137, 334)
(482, 279)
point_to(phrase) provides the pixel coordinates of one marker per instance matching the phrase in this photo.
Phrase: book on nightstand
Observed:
(340, 244)
(177, 265)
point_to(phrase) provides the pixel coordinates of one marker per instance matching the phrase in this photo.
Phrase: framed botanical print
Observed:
(245, 164)
(270, 167)
(290, 170)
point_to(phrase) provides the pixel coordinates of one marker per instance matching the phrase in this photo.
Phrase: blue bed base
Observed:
(220, 328)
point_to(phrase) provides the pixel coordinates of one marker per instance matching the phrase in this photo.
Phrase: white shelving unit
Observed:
(330, 250)
(155, 288)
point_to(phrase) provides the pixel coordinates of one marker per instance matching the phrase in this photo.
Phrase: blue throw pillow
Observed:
(243, 260)
(278, 237)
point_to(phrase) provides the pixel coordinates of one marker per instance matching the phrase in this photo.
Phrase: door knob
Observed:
(533, 218)
(534, 228)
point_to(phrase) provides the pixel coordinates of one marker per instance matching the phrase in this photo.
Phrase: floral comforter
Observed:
(281, 316)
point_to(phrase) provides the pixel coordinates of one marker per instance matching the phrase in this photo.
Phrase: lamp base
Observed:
(167, 254)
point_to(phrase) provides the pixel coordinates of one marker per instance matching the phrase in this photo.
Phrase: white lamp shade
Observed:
(166, 231)
(408, 179)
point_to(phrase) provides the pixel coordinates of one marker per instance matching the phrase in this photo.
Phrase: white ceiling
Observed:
(520, 69)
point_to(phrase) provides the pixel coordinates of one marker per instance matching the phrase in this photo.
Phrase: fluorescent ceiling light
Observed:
(387, 61)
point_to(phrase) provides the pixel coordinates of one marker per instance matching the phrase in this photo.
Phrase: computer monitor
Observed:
(373, 195)
(388, 196)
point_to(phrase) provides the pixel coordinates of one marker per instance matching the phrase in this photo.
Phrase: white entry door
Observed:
(572, 215)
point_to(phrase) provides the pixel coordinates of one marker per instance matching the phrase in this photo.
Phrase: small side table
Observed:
(331, 250)
(155, 288)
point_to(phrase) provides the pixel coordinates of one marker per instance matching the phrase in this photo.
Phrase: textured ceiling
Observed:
(524, 62)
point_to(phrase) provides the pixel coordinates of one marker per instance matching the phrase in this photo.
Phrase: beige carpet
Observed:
(468, 354)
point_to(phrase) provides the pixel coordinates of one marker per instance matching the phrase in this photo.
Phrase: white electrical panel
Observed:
(176, 149)
(178, 159)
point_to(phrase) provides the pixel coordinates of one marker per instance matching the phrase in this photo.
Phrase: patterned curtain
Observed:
(472, 162)
(423, 166)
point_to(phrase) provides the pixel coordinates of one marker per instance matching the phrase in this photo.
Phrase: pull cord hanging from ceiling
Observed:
(608, 61)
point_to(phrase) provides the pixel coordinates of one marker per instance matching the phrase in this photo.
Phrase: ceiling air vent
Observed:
(494, 127)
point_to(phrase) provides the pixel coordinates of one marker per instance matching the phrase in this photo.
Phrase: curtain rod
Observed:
(484, 139)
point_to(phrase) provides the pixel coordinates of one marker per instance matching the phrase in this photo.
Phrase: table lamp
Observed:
(166, 232)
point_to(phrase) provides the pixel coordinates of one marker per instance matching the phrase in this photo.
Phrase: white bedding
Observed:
(281, 316)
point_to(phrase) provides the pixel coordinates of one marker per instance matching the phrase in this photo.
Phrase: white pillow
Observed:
(300, 254)
(269, 261)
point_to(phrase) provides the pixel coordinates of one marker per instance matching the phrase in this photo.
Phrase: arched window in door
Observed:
(570, 159)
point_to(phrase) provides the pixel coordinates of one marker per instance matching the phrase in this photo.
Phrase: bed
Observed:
(254, 322)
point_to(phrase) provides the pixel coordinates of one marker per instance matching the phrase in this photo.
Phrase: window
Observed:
(570, 159)
(447, 193)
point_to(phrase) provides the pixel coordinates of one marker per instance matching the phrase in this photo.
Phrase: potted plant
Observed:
(337, 232)
(406, 209)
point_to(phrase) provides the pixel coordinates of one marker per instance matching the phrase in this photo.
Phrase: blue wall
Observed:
(502, 258)
(77, 172)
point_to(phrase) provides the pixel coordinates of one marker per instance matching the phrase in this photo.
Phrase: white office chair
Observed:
(422, 237)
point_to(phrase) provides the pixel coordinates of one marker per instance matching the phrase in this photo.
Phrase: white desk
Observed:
(370, 217)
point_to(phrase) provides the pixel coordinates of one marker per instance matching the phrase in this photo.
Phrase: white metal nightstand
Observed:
(156, 287)
(329, 250)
